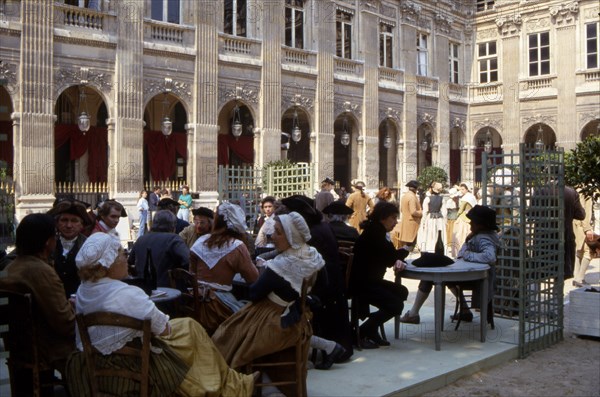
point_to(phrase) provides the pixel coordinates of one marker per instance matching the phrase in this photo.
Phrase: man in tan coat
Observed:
(406, 231)
(583, 231)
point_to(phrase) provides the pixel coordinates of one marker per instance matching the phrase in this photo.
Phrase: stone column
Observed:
(126, 147)
(204, 129)
(324, 103)
(442, 133)
(34, 113)
(565, 85)
(369, 155)
(511, 105)
(270, 98)
(409, 116)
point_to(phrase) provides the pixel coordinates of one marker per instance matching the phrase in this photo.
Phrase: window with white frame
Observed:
(386, 45)
(592, 47)
(453, 62)
(422, 54)
(484, 5)
(166, 10)
(294, 23)
(235, 17)
(92, 4)
(539, 54)
(487, 59)
(343, 48)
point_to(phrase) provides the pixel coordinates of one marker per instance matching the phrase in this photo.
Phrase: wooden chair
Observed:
(460, 289)
(188, 305)
(20, 340)
(299, 352)
(347, 258)
(84, 322)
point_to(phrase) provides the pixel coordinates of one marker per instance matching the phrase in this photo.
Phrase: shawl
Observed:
(469, 198)
(211, 256)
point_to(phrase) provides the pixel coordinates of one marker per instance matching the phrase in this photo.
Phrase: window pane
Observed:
(299, 29)
(288, 26)
(592, 46)
(592, 30)
(494, 64)
(174, 11)
(533, 55)
(483, 78)
(544, 39)
(592, 61)
(492, 50)
(545, 53)
(455, 50)
(338, 39)
(389, 52)
(157, 10)
(481, 51)
(533, 70)
(381, 50)
(228, 20)
(483, 66)
(545, 67)
(494, 76)
(241, 18)
(532, 40)
(348, 41)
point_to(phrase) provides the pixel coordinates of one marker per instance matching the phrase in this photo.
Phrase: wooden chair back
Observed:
(346, 244)
(17, 318)
(188, 303)
(299, 363)
(84, 322)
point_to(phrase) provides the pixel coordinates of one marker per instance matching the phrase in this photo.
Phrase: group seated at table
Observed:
(183, 359)
(215, 259)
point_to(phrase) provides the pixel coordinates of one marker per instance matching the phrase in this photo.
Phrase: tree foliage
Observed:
(432, 174)
(582, 167)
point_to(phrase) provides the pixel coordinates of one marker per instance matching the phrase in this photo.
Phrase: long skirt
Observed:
(255, 331)
(461, 231)
(189, 345)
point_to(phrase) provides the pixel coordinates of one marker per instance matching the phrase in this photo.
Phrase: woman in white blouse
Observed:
(183, 359)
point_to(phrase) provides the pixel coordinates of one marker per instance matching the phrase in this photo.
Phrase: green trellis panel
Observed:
(527, 192)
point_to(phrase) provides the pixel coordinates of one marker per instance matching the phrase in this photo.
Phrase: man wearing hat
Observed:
(71, 218)
(325, 197)
(360, 203)
(202, 224)
(405, 233)
(338, 214)
(168, 203)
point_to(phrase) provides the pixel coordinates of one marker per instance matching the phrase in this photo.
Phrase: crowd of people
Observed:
(72, 261)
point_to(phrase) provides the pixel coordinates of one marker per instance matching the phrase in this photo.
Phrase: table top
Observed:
(460, 270)
(164, 294)
(459, 265)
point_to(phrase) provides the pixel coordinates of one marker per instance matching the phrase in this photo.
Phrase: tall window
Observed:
(592, 48)
(294, 23)
(166, 10)
(343, 35)
(488, 62)
(93, 4)
(539, 54)
(483, 5)
(453, 60)
(235, 17)
(422, 54)
(386, 43)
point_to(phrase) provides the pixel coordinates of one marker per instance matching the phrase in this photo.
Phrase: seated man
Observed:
(338, 214)
(167, 203)
(480, 246)
(168, 249)
(202, 224)
(31, 273)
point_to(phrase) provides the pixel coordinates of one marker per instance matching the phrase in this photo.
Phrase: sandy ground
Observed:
(569, 368)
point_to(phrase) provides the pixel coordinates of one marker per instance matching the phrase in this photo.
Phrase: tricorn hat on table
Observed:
(430, 259)
(337, 208)
(484, 216)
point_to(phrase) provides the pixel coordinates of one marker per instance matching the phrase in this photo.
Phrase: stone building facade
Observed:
(379, 89)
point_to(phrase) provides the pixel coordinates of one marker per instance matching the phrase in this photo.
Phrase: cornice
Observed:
(170, 54)
(85, 42)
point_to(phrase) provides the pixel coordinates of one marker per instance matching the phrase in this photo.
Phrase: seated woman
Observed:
(186, 363)
(373, 254)
(215, 259)
(271, 323)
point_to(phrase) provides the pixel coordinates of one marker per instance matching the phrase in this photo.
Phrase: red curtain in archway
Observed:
(6, 147)
(95, 142)
(243, 147)
(162, 151)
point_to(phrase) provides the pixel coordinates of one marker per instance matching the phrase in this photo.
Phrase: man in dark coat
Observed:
(167, 248)
(71, 219)
(153, 199)
(338, 213)
(173, 206)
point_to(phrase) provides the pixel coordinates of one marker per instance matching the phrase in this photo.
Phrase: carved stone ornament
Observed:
(299, 100)
(509, 25)
(586, 117)
(564, 14)
(592, 13)
(389, 112)
(487, 122)
(244, 92)
(369, 5)
(347, 107)
(387, 11)
(537, 24)
(547, 119)
(487, 34)
(410, 11)
(66, 77)
(457, 122)
(443, 23)
(179, 89)
(8, 72)
(427, 118)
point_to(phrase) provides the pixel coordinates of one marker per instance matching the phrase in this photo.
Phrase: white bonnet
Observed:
(99, 248)
(295, 228)
(234, 216)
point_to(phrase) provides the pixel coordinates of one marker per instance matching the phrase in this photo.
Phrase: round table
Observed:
(459, 271)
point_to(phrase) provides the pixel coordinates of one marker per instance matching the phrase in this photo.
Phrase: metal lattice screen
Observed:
(527, 192)
(246, 186)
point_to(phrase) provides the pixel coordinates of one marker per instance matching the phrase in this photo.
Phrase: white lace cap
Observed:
(233, 215)
(295, 228)
(99, 248)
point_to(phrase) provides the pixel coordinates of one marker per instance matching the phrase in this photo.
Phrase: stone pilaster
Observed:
(442, 131)
(324, 104)
(368, 156)
(270, 99)
(409, 158)
(126, 145)
(34, 117)
(202, 145)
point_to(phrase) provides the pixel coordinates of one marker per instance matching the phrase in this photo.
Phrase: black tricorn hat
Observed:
(484, 216)
(328, 180)
(167, 202)
(430, 259)
(203, 211)
(73, 207)
(300, 204)
(338, 208)
(414, 184)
